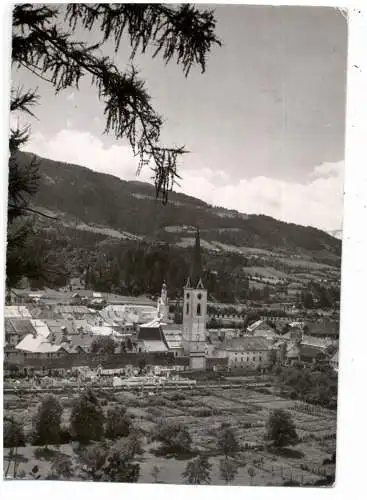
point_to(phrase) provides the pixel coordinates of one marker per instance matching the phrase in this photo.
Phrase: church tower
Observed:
(162, 307)
(194, 312)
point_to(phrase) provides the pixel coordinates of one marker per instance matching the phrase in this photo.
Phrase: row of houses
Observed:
(70, 335)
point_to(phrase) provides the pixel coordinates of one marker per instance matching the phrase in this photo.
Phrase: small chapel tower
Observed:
(162, 306)
(194, 312)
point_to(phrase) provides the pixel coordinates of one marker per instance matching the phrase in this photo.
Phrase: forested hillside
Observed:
(118, 237)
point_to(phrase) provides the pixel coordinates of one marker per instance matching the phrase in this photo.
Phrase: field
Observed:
(203, 411)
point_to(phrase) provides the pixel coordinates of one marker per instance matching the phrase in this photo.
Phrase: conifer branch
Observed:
(181, 32)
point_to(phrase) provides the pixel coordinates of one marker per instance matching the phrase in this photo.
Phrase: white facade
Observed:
(194, 319)
(162, 306)
(246, 359)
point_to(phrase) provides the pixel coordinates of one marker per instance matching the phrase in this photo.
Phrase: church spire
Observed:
(196, 267)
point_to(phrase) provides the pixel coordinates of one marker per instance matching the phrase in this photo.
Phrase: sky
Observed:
(264, 124)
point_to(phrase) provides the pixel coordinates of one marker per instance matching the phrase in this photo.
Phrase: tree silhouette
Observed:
(198, 471)
(155, 473)
(228, 469)
(281, 430)
(47, 422)
(117, 423)
(227, 442)
(183, 33)
(86, 419)
(252, 473)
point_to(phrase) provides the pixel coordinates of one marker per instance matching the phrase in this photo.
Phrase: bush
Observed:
(281, 430)
(13, 434)
(174, 437)
(201, 412)
(117, 423)
(44, 453)
(176, 396)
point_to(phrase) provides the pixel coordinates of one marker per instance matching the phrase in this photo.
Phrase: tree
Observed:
(155, 473)
(198, 471)
(228, 469)
(86, 420)
(13, 434)
(100, 463)
(134, 444)
(117, 423)
(174, 437)
(227, 442)
(181, 32)
(47, 422)
(92, 458)
(120, 468)
(281, 430)
(103, 345)
(61, 468)
(252, 473)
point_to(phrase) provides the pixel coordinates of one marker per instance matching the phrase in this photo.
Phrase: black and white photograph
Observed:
(174, 243)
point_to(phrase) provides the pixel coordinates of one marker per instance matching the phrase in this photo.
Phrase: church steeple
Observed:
(196, 267)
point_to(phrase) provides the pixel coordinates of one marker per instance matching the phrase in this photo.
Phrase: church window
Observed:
(198, 310)
(199, 296)
(187, 308)
(187, 295)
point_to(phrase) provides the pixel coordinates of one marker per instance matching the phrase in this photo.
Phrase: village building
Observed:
(246, 352)
(16, 329)
(150, 338)
(128, 314)
(194, 313)
(261, 328)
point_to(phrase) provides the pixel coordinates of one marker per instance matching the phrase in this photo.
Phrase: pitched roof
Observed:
(152, 332)
(246, 344)
(323, 328)
(18, 326)
(40, 327)
(314, 341)
(309, 351)
(260, 324)
(38, 344)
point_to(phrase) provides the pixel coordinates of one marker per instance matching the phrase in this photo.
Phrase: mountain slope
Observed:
(87, 200)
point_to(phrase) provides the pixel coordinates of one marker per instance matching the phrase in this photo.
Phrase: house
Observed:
(128, 313)
(261, 328)
(16, 329)
(19, 312)
(39, 347)
(150, 338)
(323, 329)
(309, 353)
(173, 336)
(246, 352)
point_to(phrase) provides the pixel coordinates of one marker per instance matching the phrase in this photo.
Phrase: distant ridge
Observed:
(82, 197)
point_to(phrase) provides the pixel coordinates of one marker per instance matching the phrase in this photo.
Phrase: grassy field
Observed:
(246, 410)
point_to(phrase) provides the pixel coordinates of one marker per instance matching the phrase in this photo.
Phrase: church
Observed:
(190, 340)
(194, 313)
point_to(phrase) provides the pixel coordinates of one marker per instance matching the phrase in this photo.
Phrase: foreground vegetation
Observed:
(194, 436)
